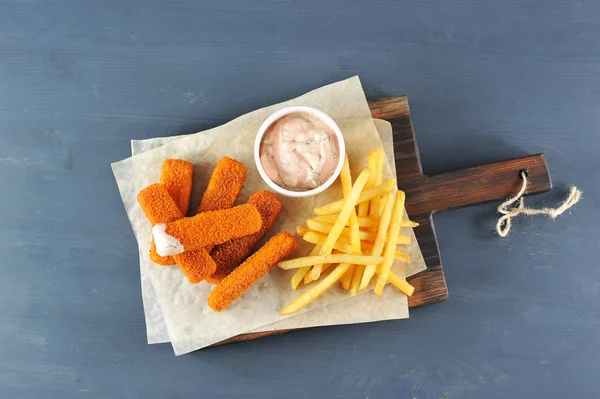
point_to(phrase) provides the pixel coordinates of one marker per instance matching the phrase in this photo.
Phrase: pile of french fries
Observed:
(356, 236)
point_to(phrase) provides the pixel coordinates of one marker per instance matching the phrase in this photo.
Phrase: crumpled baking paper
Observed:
(191, 325)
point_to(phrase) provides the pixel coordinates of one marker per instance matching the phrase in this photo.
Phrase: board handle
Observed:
(492, 182)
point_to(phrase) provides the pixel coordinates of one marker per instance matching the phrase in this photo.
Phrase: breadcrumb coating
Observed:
(196, 265)
(218, 195)
(224, 185)
(176, 175)
(229, 255)
(249, 272)
(159, 207)
(216, 227)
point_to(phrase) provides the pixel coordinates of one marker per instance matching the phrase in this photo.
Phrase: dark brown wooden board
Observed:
(426, 195)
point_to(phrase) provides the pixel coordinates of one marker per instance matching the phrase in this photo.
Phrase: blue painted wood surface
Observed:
(486, 80)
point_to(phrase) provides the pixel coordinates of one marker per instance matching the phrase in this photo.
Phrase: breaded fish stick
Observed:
(229, 255)
(196, 265)
(207, 228)
(224, 186)
(249, 272)
(176, 175)
(159, 207)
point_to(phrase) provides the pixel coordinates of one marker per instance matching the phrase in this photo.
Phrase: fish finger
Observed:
(207, 228)
(229, 255)
(196, 265)
(157, 204)
(224, 186)
(176, 175)
(249, 272)
(159, 207)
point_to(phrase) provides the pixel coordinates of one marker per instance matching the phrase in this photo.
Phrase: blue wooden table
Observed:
(487, 81)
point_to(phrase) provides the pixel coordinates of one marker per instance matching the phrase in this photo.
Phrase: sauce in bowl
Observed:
(299, 152)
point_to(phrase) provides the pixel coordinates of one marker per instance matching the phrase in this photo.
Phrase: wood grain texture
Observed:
(476, 185)
(426, 195)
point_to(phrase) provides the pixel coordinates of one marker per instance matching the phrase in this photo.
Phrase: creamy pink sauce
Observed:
(299, 152)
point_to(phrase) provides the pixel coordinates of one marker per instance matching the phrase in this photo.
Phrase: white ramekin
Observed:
(292, 110)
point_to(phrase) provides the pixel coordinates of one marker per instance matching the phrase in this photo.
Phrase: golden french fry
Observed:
(377, 249)
(315, 291)
(330, 219)
(301, 230)
(400, 283)
(382, 202)
(402, 256)
(321, 227)
(307, 276)
(368, 246)
(343, 245)
(409, 223)
(402, 240)
(315, 272)
(366, 238)
(308, 279)
(300, 273)
(346, 279)
(324, 227)
(346, 190)
(374, 205)
(334, 258)
(356, 279)
(345, 212)
(391, 244)
(355, 234)
(298, 276)
(316, 238)
(363, 207)
(336, 206)
(363, 222)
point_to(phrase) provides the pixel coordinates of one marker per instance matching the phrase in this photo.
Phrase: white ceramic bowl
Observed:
(292, 110)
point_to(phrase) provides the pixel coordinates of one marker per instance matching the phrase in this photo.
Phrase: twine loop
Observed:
(504, 221)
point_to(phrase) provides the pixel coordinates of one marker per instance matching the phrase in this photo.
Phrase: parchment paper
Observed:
(364, 309)
(190, 323)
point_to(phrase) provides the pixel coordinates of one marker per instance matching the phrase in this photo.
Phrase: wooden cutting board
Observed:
(426, 195)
